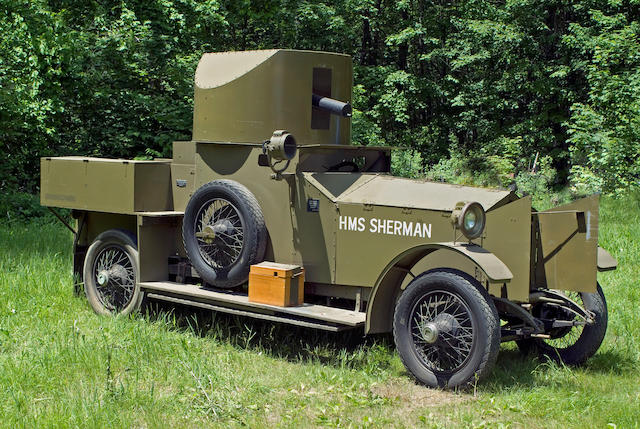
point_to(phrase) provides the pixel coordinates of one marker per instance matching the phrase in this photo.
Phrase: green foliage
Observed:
(605, 129)
(407, 163)
(494, 83)
(20, 206)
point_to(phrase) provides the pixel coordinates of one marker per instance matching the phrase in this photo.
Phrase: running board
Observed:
(307, 315)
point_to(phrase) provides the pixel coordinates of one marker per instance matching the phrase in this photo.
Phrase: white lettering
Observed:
(343, 222)
(418, 231)
(386, 226)
(407, 229)
(353, 223)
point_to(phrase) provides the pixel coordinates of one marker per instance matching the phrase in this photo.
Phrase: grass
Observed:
(61, 365)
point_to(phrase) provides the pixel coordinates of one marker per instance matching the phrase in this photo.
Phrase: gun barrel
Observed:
(329, 104)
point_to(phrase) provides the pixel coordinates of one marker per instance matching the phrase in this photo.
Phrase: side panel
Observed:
(371, 236)
(182, 184)
(240, 163)
(569, 242)
(97, 223)
(156, 242)
(87, 184)
(105, 185)
(314, 232)
(508, 236)
(153, 187)
(297, 233)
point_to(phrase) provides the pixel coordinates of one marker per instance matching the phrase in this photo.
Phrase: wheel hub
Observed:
(223, 227)
(430, 332)
(210, 232)
(443, 323)
(103, 277)
(115, 271)
(447, 323)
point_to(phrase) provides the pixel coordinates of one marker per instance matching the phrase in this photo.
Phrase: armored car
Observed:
(270, 212)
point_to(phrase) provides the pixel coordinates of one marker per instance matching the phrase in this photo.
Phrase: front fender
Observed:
(606, 262)
(387, 287)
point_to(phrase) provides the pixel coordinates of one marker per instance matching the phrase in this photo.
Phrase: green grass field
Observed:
(61, 365)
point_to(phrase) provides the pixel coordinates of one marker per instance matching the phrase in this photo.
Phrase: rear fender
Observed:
(387, 288)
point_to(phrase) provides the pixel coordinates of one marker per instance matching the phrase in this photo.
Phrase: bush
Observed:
(407, 163)
(20, 206)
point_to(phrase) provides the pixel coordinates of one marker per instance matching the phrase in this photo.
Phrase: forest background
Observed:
(543, 93)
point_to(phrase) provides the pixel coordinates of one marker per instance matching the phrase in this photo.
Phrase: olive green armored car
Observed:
(270, 175)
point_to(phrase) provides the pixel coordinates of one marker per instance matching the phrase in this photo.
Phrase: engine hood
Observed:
(385, 190)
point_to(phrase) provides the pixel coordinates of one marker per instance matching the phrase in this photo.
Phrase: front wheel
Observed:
(574, 345)
(446, 329)
(111, 273)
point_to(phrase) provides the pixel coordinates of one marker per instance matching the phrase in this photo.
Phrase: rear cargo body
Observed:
(106, 185)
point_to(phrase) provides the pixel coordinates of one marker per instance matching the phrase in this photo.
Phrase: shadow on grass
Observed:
(516, 369)
(352, 350)
(611, 362)
(296, 344)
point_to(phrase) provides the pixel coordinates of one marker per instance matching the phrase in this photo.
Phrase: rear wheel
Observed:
(111, 273)
(570, 345)
(446, 329)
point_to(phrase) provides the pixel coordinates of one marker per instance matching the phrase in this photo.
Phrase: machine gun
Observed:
(330, 105)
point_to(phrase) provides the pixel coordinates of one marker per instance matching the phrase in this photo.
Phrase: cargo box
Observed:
(276, 284)
(106, 185)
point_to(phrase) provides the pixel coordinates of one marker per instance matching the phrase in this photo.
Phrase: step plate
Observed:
(240, 301)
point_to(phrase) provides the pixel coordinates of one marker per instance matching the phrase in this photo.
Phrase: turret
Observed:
(243, 97)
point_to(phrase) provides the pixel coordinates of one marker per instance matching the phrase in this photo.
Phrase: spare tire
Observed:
(224, 233)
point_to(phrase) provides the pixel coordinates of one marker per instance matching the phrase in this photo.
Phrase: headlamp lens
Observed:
(470, 220)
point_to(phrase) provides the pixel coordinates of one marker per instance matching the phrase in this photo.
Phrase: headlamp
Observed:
(281, 146)
(470, 219)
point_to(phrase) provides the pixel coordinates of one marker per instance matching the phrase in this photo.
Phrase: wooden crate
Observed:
(276, 284)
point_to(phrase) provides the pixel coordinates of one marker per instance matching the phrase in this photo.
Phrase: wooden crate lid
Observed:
(274, 269)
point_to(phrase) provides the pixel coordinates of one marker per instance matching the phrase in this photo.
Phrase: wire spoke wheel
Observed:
(442, 331)
(114, 275)
(224, 233)
(446, 329)
(572, 345)
(219, 229)
(110, 273)
(563, 338)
